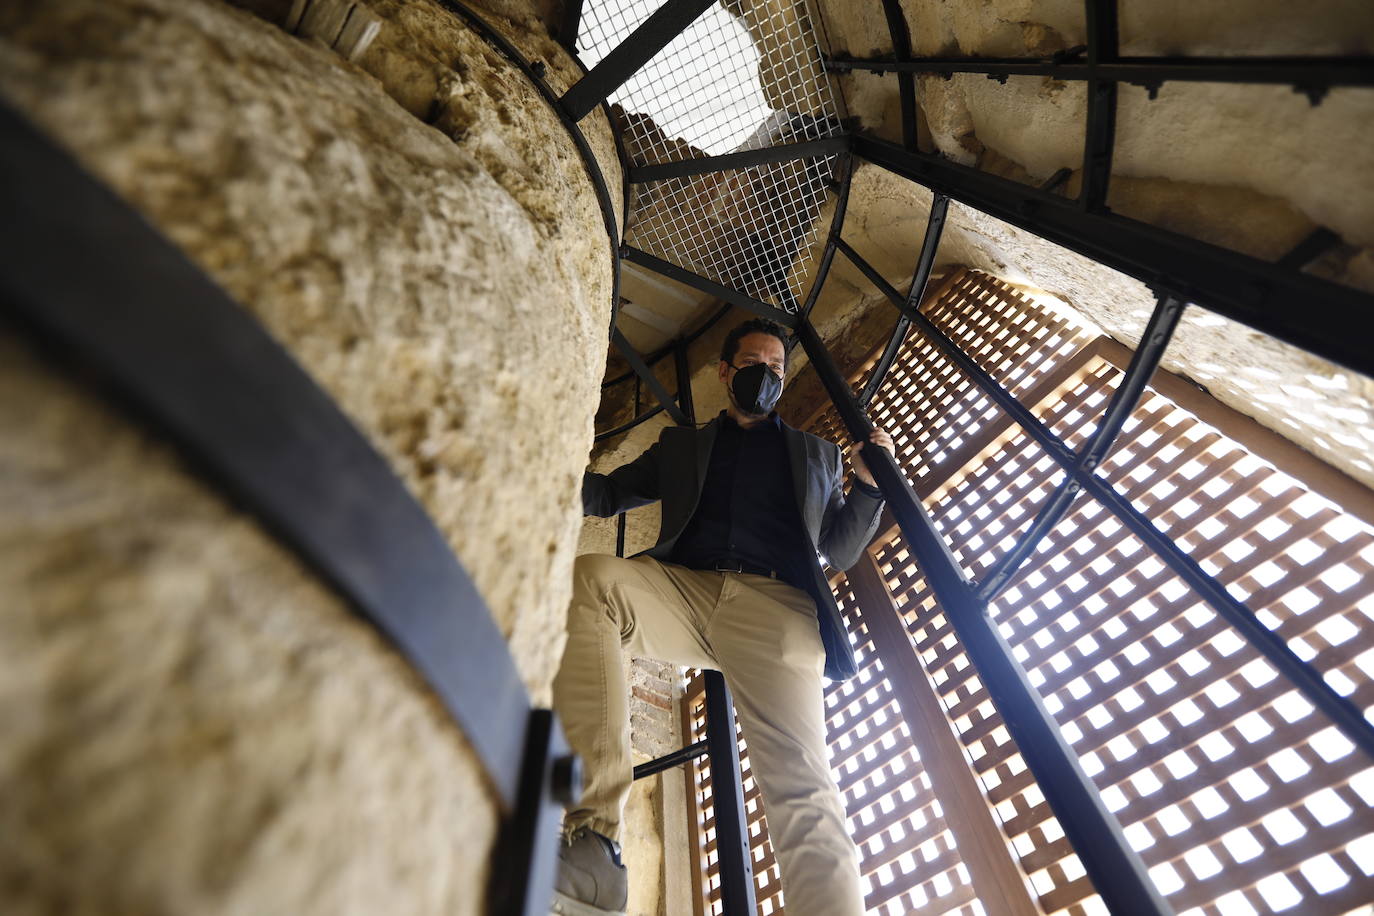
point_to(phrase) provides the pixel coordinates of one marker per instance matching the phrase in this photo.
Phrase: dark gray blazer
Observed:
(674, 469)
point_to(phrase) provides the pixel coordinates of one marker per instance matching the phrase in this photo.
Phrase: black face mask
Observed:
(756, 388)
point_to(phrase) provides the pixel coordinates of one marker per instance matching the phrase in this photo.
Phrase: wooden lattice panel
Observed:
(907, 854)
(1018, 341)
(1045, 854)
(1301, 564)
(767, 878)
(908, 859)
(1239, 796)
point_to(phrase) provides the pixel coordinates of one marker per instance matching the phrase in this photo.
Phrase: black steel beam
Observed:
(1018, 411)
(884, 364)
(1300, 309)
(1116, 871)
(629, 424)
(626, 58)
(720, 291)
(570, 24)
(684, 382)
(674, 759)
(550, 780)
(1319, 242)
(732, 823)
(1158, 332)
(935, 227)
(1099, 137)
(1315, 72)
(836, 225)
(786, 152)
(647, 376)
(906, 81)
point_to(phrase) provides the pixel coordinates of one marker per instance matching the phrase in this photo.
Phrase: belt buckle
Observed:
(737, 568)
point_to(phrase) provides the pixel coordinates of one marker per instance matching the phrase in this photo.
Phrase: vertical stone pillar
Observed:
(189, 722)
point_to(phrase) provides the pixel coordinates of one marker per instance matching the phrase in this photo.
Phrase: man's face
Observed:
(754, 348)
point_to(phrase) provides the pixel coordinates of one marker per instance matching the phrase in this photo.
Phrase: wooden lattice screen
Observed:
(1240, 797)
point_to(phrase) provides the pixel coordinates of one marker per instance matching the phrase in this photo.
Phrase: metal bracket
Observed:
(550, 780)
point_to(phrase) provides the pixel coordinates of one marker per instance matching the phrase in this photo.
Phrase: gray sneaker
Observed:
(591, 879)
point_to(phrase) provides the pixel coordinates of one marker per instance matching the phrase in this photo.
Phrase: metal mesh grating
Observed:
(748, 79)
(742, 228)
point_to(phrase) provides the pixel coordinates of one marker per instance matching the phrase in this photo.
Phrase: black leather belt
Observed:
(739, 566)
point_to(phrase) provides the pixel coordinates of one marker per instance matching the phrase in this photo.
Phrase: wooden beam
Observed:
(995, 874)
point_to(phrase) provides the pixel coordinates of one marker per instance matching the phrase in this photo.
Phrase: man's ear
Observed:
(722, 370)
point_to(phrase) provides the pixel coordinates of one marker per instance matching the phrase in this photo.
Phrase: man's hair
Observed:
(753, 326)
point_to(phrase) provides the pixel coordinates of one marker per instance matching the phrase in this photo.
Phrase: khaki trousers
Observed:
(763, 636)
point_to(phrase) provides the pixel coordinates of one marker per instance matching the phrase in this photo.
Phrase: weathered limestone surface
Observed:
(190, 722)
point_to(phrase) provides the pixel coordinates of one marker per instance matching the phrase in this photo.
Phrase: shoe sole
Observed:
(563, 905)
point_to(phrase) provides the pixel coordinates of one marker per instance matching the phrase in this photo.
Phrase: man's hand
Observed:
(880, 438)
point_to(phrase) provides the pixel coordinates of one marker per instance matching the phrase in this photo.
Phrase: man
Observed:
(735, 584)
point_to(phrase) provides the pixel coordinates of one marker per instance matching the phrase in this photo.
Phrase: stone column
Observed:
(189, 722)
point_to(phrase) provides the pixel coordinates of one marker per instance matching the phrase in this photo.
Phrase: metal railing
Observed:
(1182, 271)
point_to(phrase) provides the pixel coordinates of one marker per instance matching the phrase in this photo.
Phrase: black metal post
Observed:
(684, 382)
(885, 361)
(676, 758)
(647, 375)
(1115, 870)
(836, 224)
(1100, 135)
(1319, 242)
(742, 159)
(1158, 332)
(732, 826)
(550, 778)
(652, 36)
(570, 24)
(1238, 286)
(935, 227)
(906, 81)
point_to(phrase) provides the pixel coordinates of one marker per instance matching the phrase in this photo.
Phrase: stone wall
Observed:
(1252, 168)
(191, 722)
